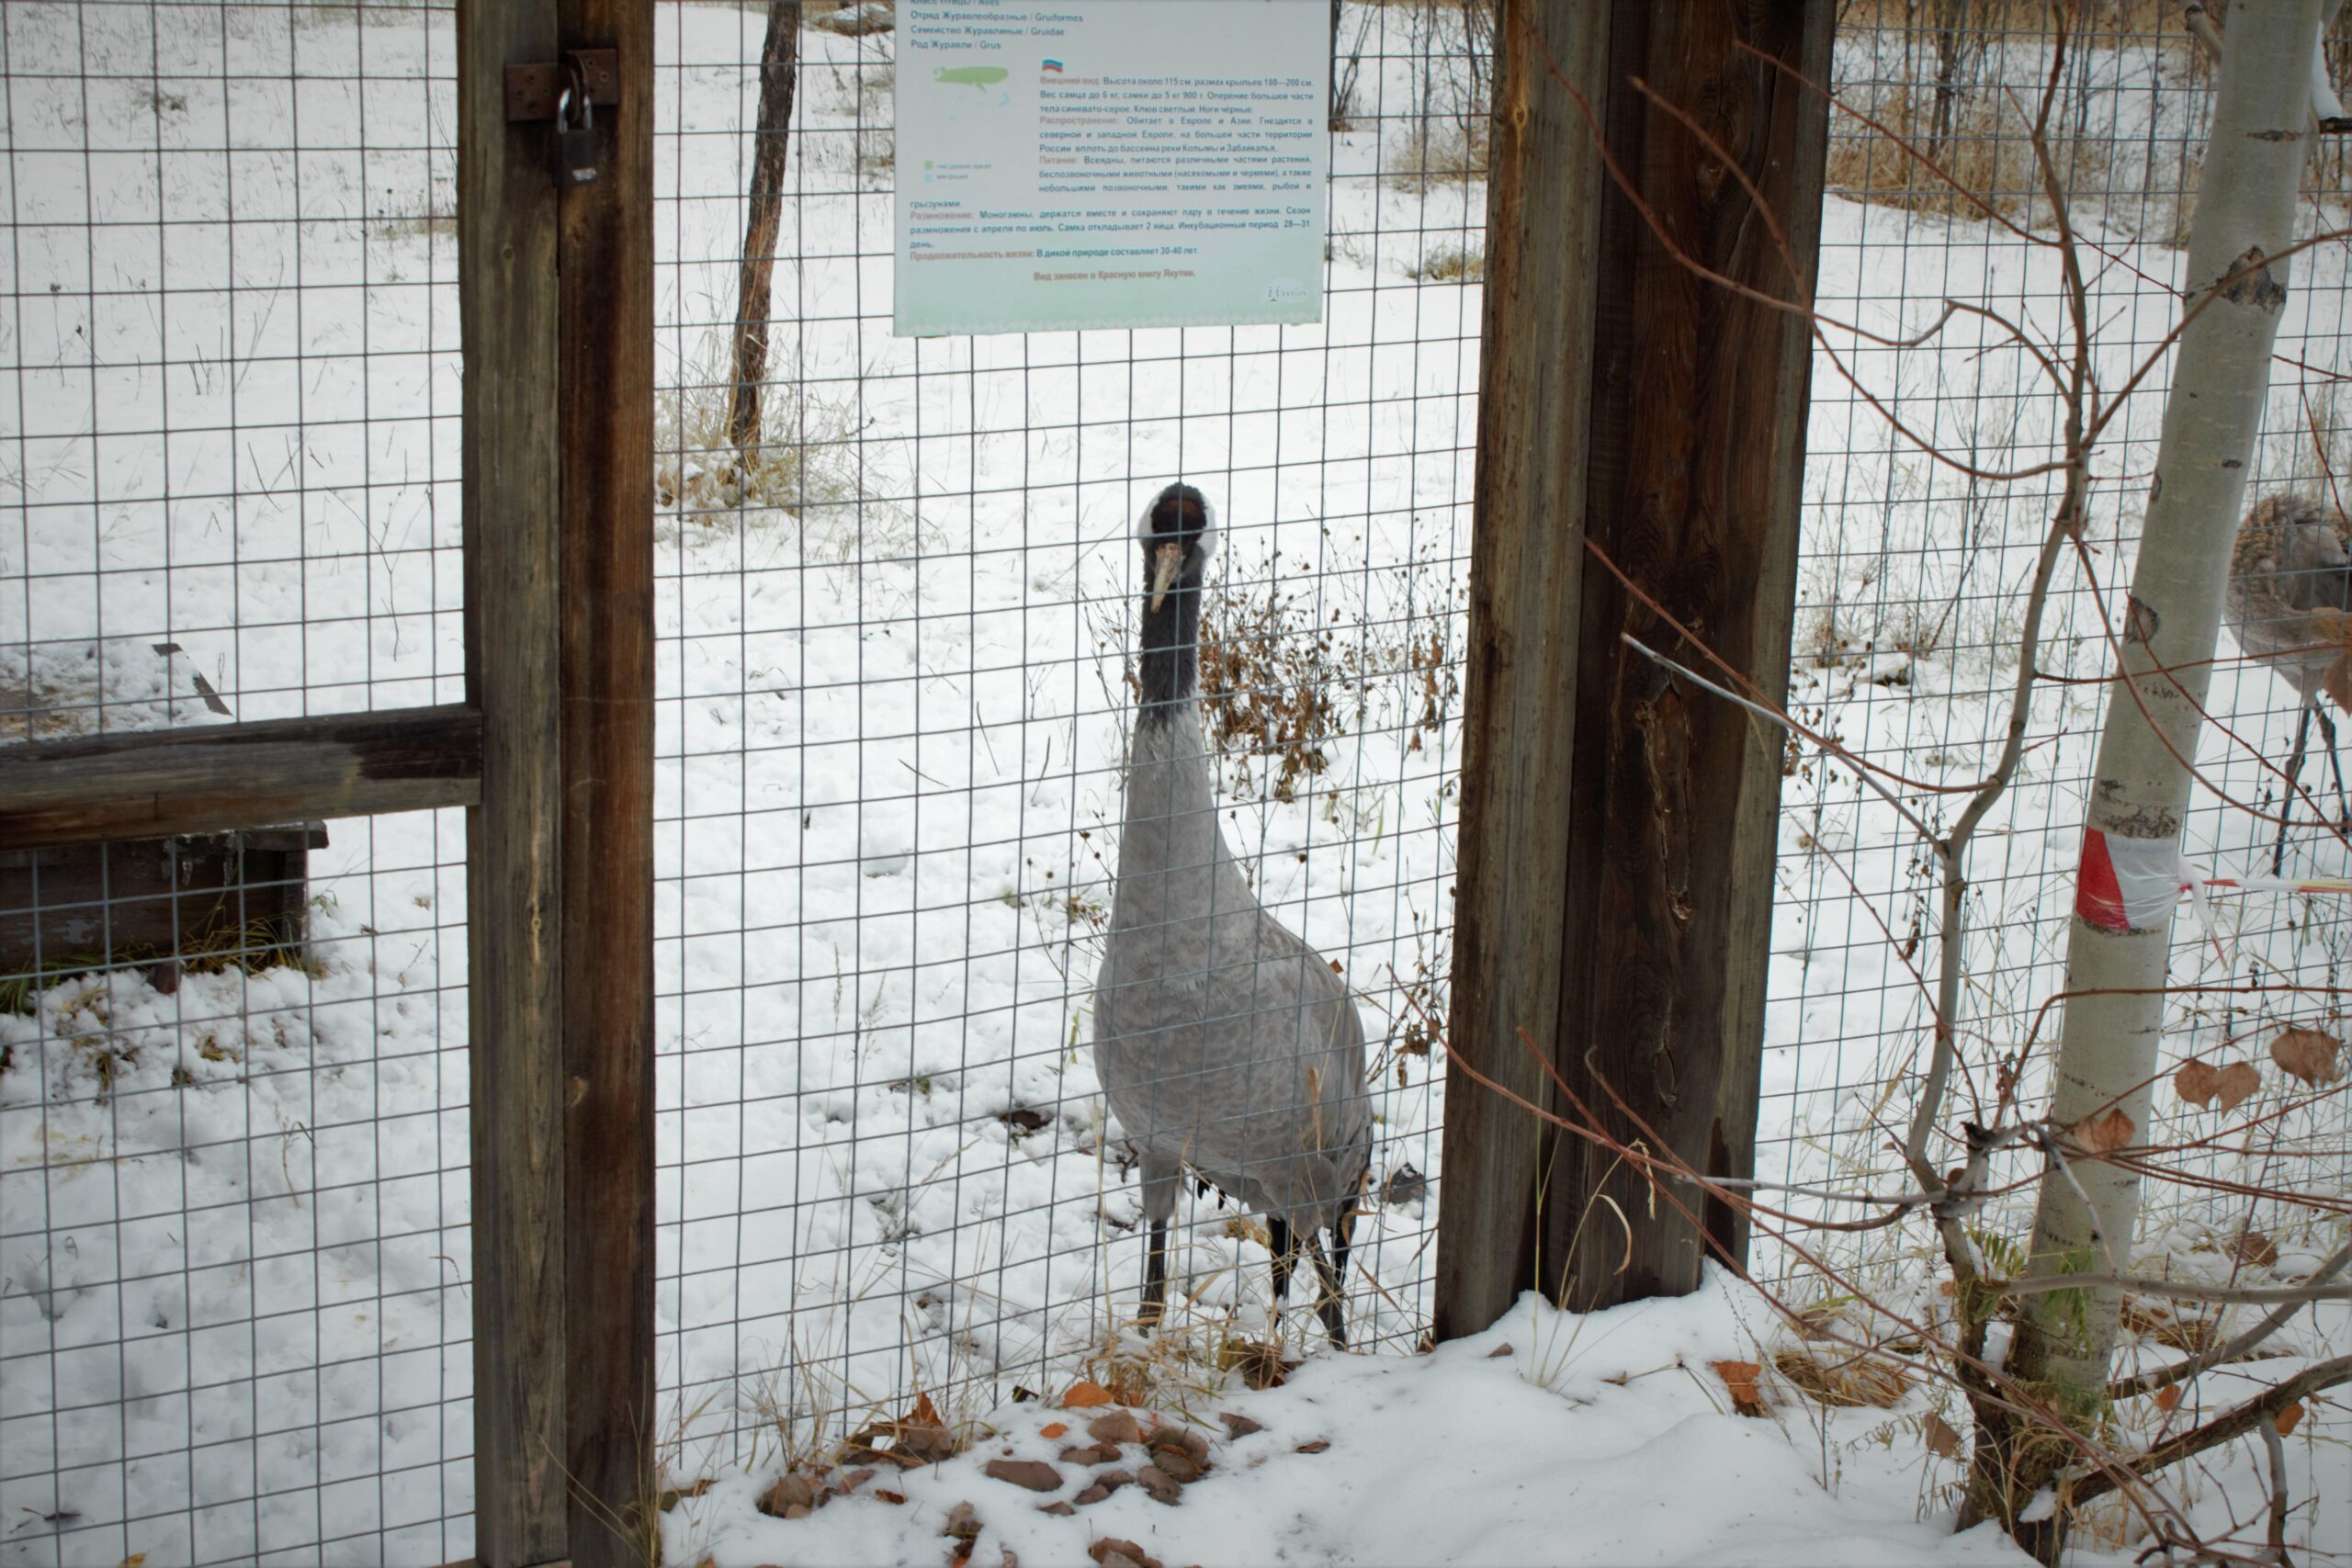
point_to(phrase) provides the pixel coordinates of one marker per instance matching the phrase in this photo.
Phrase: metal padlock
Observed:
(575, 145)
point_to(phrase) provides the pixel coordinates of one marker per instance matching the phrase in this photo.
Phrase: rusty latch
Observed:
(531, 90)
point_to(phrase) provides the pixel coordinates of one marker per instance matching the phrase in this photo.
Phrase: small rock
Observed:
(1402, 1186)
(1160, 1485)
(1317, 1447)
(1059, 1510)
(1101, 1453)
(1118, 1426)
(1033, 1473)
(856, 22)
(1119, 1560)
(857, 1478)
(1498, 1352)
(1092, 1495)
(963, 1523)
(1239, 1425)
(799, 1511)
(1181, 1465)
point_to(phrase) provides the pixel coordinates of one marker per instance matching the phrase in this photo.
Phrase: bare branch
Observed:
(2234, 1423)
(2233, 1349)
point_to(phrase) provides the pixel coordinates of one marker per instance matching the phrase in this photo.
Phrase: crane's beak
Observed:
(1166, 561)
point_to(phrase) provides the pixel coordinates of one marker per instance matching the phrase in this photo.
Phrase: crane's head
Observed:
(1178, 533)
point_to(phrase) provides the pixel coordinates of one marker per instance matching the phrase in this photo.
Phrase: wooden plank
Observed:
(1526, 569)
(1689, 438)
(508, 299)
(607, 412)
(150, 783)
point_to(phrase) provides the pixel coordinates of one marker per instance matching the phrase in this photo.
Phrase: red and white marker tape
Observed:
(2126, 885)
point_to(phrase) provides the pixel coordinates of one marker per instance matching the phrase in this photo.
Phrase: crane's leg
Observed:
(1330, 1307)
(2294, 777)
(1284, 1250)
(2336, 763)
(1155, 1278)
(1342, 1228)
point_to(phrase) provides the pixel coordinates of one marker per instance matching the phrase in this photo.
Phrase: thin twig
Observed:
(2148, 1382)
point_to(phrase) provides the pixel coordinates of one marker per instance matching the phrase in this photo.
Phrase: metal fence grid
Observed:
(896, 675)
(1911, 592)
(233, 1080)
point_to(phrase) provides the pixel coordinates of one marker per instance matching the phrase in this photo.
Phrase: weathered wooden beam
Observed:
(509, 298)
(151, 783)
(606, 347)
(1619, 826)
(1526, 567)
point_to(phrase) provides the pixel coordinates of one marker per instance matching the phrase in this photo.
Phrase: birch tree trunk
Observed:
(2120, 948)
(779, 61)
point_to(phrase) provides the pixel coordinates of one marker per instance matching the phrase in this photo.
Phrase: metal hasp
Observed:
(531, 90)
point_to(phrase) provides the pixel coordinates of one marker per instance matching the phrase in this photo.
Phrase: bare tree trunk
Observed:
(2117, 964)
(778, 72)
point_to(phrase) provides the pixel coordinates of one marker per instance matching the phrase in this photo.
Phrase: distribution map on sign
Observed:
(1110, 163)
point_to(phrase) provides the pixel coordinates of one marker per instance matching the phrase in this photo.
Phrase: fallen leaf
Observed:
(1315, 1447)
(2252, 1246)
(2102, 1133)
(2308, 1054)
(1083, 1396)
(1053, 1430)
(2233, 1084)
(2196, 1083)
(133, 1560)
(882, 1495)
(2289, 1416)
(1740, 1378)
(1942, 1441)
(2168, 1398)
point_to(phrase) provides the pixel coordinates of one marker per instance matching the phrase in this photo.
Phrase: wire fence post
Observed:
(1618, 825)
(556, 297)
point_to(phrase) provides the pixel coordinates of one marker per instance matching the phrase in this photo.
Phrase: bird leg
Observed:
(2335, 761)
(1329, 1308)
(1155, 1278)
(1278, 1243)
(2294, 777)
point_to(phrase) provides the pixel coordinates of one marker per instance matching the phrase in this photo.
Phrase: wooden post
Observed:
(556, 303)
(1614, 894)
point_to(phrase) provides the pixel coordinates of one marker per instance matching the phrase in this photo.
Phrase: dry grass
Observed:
(1989, 155)
(1436, 151)
(1844, 1379)
(1448, 264)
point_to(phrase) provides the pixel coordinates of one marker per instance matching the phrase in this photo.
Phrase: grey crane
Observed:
(2288, 570)
(1224, 1045)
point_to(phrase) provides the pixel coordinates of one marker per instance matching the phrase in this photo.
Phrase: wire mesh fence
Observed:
(233, 1080)
(898, 680)
(1913, 587)
(899, 685)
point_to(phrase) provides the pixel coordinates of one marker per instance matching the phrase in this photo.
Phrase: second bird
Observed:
(1225, 1046)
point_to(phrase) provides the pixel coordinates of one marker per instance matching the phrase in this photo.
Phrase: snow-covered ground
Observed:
(234, 1321)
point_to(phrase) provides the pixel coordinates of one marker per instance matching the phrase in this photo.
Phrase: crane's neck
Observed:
(1171, 643)
(1170, 853)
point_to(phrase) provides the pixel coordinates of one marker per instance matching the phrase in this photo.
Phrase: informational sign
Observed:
(1110, 162)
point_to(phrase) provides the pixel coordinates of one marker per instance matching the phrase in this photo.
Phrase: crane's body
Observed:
(1224, 1045)
(2290, 576)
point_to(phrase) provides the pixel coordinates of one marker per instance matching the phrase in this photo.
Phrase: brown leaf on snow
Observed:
(2287, 1417)
(2252, 1246)
(1740, 1377)
(1942, 1441)
(2103, 1134)
(1085, 1397)
(2309, 1055)
(2168, 1398)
